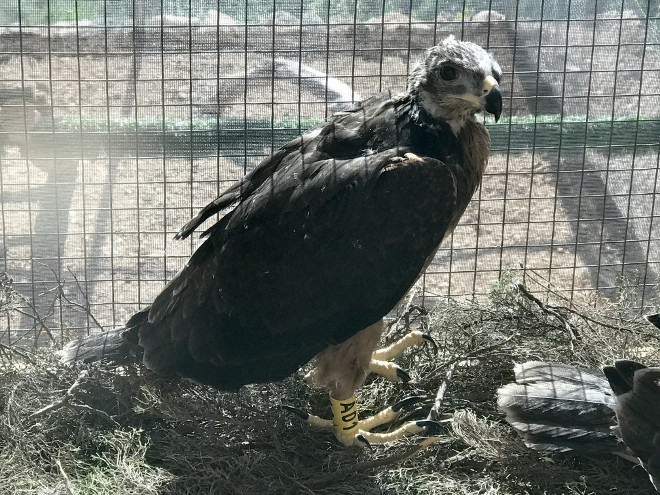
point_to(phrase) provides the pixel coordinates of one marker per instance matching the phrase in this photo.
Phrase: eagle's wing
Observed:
(341, 134)
(242, 188)
(316, 253)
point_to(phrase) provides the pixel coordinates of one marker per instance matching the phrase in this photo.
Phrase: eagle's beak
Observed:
(493, 97)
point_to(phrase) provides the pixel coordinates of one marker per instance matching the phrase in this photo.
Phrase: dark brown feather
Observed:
(638, 412)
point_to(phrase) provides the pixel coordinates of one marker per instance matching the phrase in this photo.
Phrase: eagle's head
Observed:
(455, 80)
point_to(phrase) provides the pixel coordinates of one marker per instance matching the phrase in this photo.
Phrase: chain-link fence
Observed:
(120, 118)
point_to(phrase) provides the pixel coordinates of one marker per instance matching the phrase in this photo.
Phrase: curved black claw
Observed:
(432, 427)
(430, 340)
(407, 404)
(403, 376)
(301, 414)
(362, 439)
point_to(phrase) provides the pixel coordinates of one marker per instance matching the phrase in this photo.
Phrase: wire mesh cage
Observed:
(121, 118)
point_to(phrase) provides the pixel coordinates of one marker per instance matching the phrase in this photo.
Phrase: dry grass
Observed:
(101, 430)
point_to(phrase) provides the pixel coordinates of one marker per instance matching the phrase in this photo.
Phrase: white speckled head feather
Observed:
(454, 80)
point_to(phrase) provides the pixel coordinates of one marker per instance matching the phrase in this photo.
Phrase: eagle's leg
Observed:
(380, 358)
(342, 369)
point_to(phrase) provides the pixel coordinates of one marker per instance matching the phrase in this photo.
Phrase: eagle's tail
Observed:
(560, 408)
(118, 346)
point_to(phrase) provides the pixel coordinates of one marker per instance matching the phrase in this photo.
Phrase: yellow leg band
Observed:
(344, 415)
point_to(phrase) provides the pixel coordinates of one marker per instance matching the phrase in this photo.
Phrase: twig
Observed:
(476, 352)
(300, 485)
(98, 412)
(16, 350)
(434, 413)
(67, 482)
(276, 441)
(575, 310)
(87, 307)
(37, 320)
(10, 401)
(66, 402)
(407, 308)
(341, 474)
(548, 310)
(458, 457)
(58, 289)
(548, 286)
(589, 319)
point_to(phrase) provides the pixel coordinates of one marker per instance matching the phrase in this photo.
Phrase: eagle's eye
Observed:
(448, 73)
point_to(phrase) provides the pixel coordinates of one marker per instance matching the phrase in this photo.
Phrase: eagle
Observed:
(317, 244)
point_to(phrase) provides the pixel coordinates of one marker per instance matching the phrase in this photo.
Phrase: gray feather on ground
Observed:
(559, 407)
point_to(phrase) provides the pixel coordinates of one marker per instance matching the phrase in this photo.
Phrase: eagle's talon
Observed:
(298, 412)
(430, 340)
(395, 349)
(351, 431)
(408, 404)
(361, 438)
(432, 428)
(403, 376)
